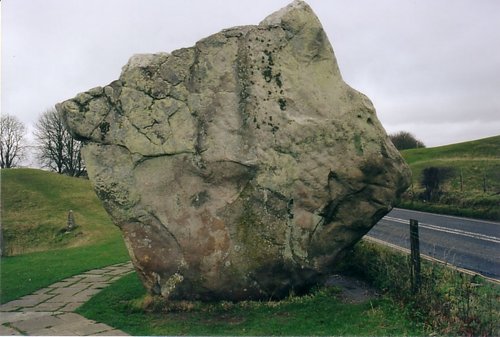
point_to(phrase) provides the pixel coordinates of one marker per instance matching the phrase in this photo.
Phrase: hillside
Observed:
(35, 206)
(473, 185)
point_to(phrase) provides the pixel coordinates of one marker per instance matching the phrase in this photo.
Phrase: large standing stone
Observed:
(242, 167)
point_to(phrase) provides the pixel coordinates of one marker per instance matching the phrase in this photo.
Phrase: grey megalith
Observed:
(240, 168)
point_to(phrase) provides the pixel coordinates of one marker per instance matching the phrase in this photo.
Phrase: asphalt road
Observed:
(466, 243)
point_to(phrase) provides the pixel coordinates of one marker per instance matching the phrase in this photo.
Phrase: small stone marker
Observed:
(71, 225)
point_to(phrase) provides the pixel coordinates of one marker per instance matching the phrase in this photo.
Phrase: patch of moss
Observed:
(267, 72)
(357, 144)
(269, 57)
(282, 103)
(253, 230)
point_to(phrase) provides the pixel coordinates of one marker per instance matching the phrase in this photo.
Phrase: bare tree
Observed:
(404, 140)
(57, 150)
(12, 145)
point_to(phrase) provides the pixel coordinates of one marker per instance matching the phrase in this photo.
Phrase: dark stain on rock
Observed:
(282, 103)
(104, 127)
(199, 199)
(279, 82)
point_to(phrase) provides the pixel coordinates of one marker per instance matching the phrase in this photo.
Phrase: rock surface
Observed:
(240, 168)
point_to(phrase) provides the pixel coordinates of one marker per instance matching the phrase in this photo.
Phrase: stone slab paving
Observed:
(49, 311)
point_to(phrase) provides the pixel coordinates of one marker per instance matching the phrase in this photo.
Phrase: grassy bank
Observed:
(472, 186)
(449, 302)
(35, 206)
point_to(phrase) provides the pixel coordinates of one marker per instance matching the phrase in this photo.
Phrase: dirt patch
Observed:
(352, 289)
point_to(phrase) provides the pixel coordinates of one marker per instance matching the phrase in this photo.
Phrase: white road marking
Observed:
(447, 230)
(452, 217)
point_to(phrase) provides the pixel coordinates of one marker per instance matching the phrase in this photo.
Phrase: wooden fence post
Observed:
(461, 181)
(415, 256)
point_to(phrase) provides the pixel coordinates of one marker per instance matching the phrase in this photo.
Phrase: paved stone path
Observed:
(49, 311)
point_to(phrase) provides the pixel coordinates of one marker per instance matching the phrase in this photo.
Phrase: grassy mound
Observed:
(473, 185)
(37, 252)
(35, 206)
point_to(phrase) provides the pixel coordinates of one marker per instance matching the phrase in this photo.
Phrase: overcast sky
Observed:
(431, 67)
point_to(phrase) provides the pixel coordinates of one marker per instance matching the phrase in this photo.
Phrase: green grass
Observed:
(474, 186)
(475, 160)
(21, 275)
(481, 148)
(35, 206)
(320, 313)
